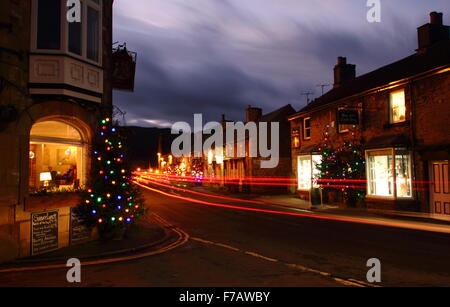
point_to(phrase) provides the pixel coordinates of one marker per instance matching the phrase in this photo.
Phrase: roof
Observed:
(436, 56)
(279, 114)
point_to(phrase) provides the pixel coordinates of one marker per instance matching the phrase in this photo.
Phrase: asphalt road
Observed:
(232, 247)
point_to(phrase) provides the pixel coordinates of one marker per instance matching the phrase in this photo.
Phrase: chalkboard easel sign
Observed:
(79, 233)
(44, 232)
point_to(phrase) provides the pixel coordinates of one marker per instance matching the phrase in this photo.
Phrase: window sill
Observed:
(393, 125)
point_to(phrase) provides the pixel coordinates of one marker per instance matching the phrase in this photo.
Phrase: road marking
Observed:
(347, 282)
(217, 244)
(261, 257)
(183, 237)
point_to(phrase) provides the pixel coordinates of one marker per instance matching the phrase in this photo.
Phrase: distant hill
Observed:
(145, 143)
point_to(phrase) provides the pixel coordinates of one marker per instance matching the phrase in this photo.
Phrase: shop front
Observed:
(308, 175)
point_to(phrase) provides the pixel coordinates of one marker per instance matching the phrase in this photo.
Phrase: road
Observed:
(229, 246)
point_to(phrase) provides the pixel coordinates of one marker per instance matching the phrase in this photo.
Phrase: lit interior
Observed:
(56, 157)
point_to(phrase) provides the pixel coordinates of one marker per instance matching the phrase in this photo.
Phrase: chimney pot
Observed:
(253, 114)
(343, 72)
(436, 18)
(433, 32)
(341, 60)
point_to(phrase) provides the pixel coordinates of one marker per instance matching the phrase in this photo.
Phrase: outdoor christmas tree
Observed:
(111, 202)
(343, 168)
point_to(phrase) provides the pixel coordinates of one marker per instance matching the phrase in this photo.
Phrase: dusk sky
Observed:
(218, 56)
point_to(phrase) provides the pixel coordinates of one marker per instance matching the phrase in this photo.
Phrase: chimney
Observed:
(253, 114)
(433, 32)
(343, 72)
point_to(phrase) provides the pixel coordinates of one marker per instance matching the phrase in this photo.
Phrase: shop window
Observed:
(389, 173)
(397, 106)
(56, 157)
(308, 172)
(307, 128)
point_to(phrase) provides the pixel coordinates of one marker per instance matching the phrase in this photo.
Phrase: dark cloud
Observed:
(218, 56)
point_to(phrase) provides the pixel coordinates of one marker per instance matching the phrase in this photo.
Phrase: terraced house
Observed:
(55, 82)
(400, 114)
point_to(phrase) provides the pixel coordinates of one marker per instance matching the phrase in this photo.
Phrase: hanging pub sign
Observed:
(124, 68)
(348, 117)
(44, 232)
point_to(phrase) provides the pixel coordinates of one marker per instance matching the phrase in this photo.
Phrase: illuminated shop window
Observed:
(308, 172)
(56, 157)
(397, 106)
(389, 173)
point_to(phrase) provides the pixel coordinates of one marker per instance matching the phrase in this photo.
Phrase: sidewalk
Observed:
(403, 219)
(144, 236)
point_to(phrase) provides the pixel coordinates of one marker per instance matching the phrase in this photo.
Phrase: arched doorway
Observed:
(57, 157)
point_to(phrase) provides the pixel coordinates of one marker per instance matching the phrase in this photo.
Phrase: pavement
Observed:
(148, 234)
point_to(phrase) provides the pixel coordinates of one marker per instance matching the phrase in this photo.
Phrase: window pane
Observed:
(316, 161)
(403, 174)
(56, 157)
(307, 128)
(398, 108)
(304, 172)
(75, 43)
(93, 32)
(380, 177)
(49, 24)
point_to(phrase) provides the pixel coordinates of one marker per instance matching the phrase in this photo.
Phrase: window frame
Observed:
(306, 128)
(310, 157)
(393, 169)
(80, 144)
(390, 106)
(64, 32)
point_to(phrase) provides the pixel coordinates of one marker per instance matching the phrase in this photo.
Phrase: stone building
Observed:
(55, 83)
(400, 113)
(244, 173)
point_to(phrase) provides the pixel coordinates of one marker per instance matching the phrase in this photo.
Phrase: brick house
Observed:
(55, 82)
(236, 173)
(400, 115)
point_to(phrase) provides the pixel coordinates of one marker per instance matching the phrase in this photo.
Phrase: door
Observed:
(439, 189)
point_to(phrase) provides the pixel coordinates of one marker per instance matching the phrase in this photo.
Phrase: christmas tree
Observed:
(111, 202)
(343, 168)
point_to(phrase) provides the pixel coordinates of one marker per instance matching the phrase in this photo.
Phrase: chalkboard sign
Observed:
(44, 232)
(348, 117)
(79, 233)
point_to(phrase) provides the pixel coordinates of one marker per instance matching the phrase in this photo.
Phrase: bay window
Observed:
(53, 33)
(93, 33)
(389, 173)
(308, 172)
(49, 24)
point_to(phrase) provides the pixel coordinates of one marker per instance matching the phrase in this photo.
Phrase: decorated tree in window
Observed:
(111, 202)
(343, 167)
